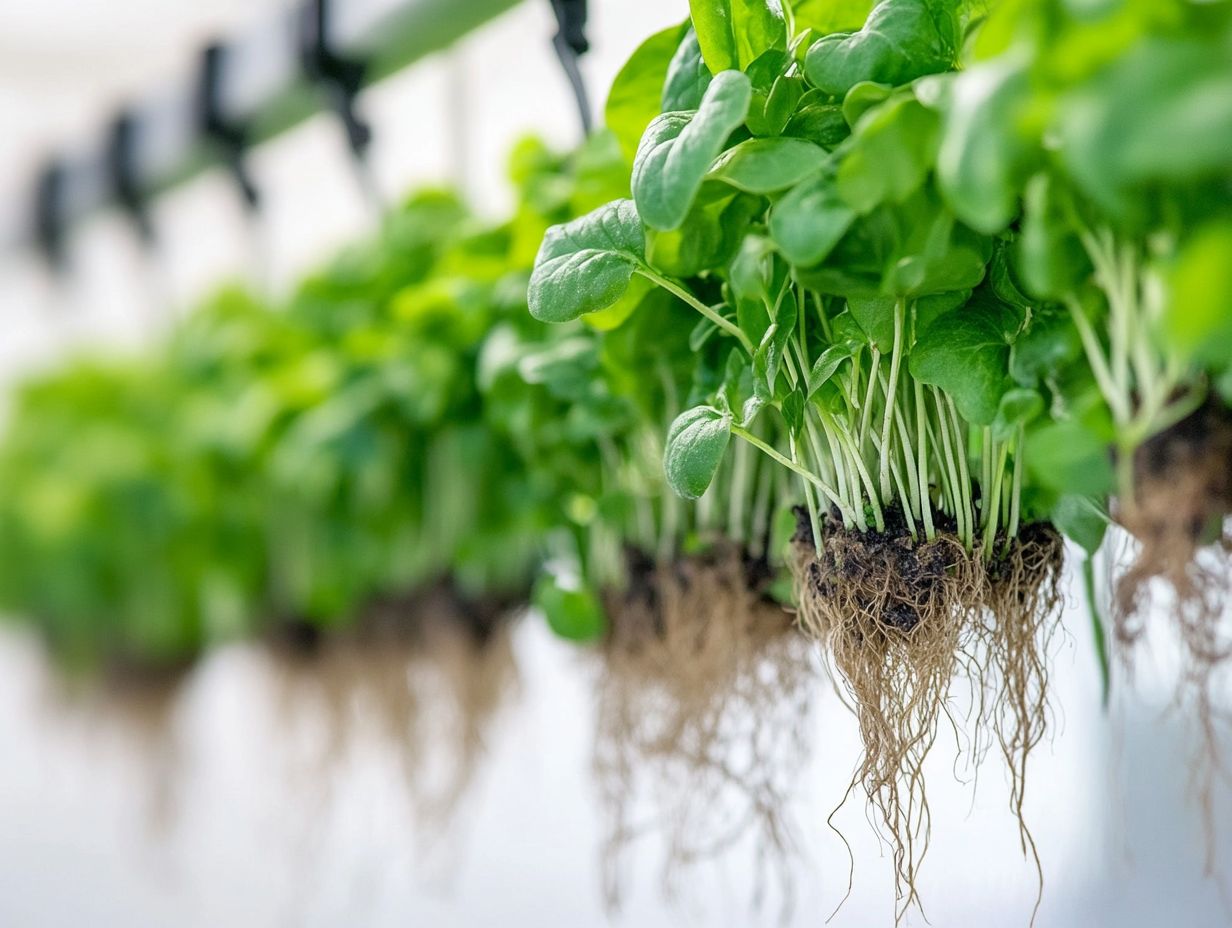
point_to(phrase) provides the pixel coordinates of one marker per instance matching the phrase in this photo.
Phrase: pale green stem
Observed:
(738, 493)
(676, 290)
(896, 356)
(963, 497)
(990, 529)
(1117, 402)
(921, 435)
(986, 455)
(792, 466)
(854, 457)
(810, 498)
(908, 450)
(867, 413)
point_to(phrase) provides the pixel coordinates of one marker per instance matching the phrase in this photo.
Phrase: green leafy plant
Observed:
(1098, 142)
(854, 335)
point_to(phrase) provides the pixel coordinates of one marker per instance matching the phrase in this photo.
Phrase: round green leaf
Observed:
(900, 41)
(696, 443)
(809, 220)
(572, 612)
(585, 265)
(768, 165)
(966, 353)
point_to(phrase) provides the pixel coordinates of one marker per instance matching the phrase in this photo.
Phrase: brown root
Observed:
(1023, 602)
(1183, 492)
(424, 675)
(703, 696)
(1182, 499)
(138, 706)
(902, 620)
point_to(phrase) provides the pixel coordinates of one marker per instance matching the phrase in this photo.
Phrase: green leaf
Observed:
(900, 41)
(827, 365)
(889, 155)
(776, 91)
(737, 386)
(875, 316)
(1081, 519)
(754, 278)
(1049, 342)
(1198, 312)
(966, 354)
(586, 265)
(1052, 260)
(1018, 406)
(928, 308)
(768, 357)
(818, 120)
(615, 315)
(1161, 112)
(1002, 275)
(984, 156)
(635, 95)
(863, 97)
(1068, 458)
(710, 234)
(793, 411)
(696, 443)
(735, 33)
(768, 165)
(573, 611)
(826, 16)
(687, 77)
(810, 220)
(679, 148)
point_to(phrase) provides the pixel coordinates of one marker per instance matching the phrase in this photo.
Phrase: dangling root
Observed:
(702, 699)
(900, 620)
(137, 705)
(1023, 603)
(1182, 498)
(428, 673)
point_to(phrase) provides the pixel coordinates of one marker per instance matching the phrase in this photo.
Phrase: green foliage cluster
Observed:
(942, 264)
(947, 258)
(400, 421)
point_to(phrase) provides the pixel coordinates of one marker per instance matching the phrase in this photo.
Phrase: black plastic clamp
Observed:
(230, 137)
(340, 76)
(571, 43)
(126, 185)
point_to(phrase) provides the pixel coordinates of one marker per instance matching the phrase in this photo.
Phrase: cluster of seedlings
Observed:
(959, 271)
(856, 312)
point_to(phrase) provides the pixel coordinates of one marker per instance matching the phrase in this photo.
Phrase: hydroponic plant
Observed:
(1099, 141)
(319, 474)
(702, 684)
(842, 213)
(858, 308)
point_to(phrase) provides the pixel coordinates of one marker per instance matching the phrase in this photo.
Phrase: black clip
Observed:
(122, 167)
(571, 43)
(49, 231)
(230, 137)
(340, 76)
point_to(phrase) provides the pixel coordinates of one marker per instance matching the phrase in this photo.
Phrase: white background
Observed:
(1118, 834)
